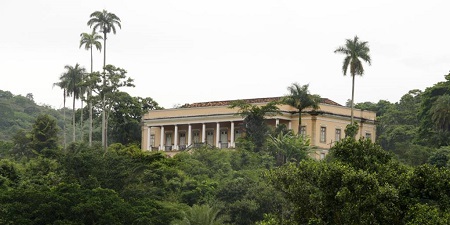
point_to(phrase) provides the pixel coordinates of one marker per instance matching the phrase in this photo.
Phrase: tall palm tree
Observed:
(73, 77)
(90, 40)
(440, 113)
(300, 98)
(63, 85)
(105, 22)
(354, 51)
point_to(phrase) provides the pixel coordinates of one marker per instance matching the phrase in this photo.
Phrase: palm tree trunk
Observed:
(299, 122)
(90, 105)
(73, 117)
(81, 119)
(353, 97)
(103, 123)
(103, 99)
(64, 118)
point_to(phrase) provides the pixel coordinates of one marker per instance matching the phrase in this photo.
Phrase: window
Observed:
(168, 146)
(168, 139)
(237, 134)
(323, 134)
(369, 136)
(303, 130)
(337, 135)
(210, 137)
(152, 140)
(183, 138)
(322, 155)
(196, 136)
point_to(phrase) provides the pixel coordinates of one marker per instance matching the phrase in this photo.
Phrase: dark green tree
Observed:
(300, 98)
(358, 184)
(433, 130)
(254, 120)
(440, 157)
(44, 134)
(440, 113)
(288, 147)
(107, 86)
(125, 117)
(200, 214)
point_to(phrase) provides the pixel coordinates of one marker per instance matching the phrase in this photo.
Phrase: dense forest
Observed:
(404, 178)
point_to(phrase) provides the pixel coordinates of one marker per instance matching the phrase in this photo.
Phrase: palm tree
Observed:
(63, 85)
(72, 78)
(200, 214)
(90, 40)
(105, 22)
(300, 98)
(256, 129)
(440, 113)
(354, 50)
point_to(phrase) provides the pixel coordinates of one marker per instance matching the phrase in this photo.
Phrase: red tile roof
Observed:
(253, 100)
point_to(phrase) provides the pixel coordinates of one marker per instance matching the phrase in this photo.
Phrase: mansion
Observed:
(217, 125)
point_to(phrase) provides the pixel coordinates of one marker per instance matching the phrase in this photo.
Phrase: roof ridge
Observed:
(249, 100)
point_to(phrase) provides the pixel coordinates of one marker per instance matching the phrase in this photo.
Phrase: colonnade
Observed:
(223, 137)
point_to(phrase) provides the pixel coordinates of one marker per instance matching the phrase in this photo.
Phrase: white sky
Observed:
(183, 51)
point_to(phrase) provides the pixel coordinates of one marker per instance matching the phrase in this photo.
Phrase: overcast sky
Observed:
(185, 51)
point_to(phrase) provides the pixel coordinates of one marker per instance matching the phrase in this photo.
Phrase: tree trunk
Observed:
(73, 116)
(81, 116)
(64, 118)
(299, 121)
(103, 123)
(103, 97)
(353, 97)
(90, 105)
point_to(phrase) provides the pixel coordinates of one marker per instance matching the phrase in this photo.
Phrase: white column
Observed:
(161, 144)
(277, 122)
(203, 133)
(290, 125)
(189, 135)
(175, 142)
(218, 135)
(149, 131)
(232, 135)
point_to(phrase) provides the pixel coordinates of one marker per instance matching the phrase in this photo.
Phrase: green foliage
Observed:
(19, 113)
(44, 135)
(360, 183)
(288, 147)
(361, 154)
(200, 214)
(424, 214)
(333, 193)
(5, 147)
(106, 86)
(300, 98)
(351, 130)
(441, 157)
(254, 116)
(125, 117)
(9, 174)
(433, 115)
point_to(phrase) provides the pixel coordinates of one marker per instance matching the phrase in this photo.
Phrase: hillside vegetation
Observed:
(19, 113)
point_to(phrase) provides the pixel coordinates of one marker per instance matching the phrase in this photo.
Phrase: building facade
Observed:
(215, 124)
